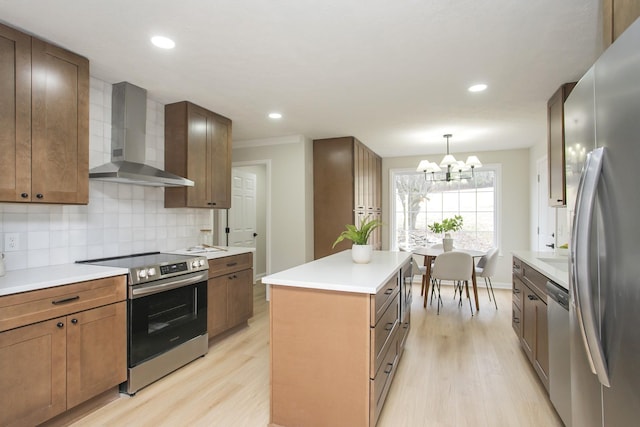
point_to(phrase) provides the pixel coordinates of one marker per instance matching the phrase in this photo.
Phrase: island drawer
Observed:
(230, 264)
(535, 280)
(518, 292)
(35, 306)
(382, 335)
(379, 386)
(381, 300)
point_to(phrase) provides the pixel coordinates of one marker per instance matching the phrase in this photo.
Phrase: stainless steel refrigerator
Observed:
(602, 152)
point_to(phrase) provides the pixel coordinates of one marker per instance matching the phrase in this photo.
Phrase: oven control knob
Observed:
(194, 264)
(142, 273)
(201, 262)
(151, 272)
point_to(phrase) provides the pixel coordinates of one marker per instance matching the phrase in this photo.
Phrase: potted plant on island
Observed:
(361, 249)
(447, 225)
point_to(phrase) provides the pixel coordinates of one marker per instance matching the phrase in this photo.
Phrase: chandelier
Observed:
(455, 170)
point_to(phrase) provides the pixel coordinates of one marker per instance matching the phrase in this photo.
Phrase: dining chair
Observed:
(421, 270)
(486, 268)
(454, 266)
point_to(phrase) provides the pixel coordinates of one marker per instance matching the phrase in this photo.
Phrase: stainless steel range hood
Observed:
(128, 122)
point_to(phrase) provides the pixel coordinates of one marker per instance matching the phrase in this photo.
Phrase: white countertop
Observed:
(31, 279)
(339, 273)
(215, 252)
(558, 275)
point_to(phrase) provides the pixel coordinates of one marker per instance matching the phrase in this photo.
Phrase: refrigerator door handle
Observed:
(581, 250)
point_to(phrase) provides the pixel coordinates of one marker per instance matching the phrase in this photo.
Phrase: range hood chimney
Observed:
(128, 123)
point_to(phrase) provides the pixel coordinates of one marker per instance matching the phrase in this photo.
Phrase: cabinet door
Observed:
(220, 162)
(15, 115)
(32, 385)
(96, 351)
(541, 356)
(198, 157)
(240, 297)
(359, 167)
(529, 323)
(555, 145)
(59, 125)
(216, 305)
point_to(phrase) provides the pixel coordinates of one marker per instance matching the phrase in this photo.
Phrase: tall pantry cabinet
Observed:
(347, 187)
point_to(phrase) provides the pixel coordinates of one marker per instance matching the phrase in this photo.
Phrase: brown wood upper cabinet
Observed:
(198, 147)
(44, 121)
(617, 15)
(347, 184)
(555, 145)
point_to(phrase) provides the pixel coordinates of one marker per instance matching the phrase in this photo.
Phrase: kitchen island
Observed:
(337, 331)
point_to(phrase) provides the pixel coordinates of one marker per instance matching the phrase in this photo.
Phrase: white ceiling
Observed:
(393, 73)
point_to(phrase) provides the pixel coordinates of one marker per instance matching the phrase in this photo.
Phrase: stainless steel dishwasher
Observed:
(559, 357)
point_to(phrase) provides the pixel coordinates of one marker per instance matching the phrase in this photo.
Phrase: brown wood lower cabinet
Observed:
(530, 317)
(57, 363)
(333, 354)
(229, 293)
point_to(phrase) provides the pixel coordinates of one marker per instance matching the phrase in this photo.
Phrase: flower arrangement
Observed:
(447, 225)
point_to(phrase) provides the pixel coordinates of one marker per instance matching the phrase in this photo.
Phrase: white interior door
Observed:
(546, 214)
(242, 214)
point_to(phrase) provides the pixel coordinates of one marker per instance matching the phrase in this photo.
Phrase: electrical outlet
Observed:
(11, 242)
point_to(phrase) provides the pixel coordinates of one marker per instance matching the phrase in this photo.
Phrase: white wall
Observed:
(120, 219)
(515, 203)
(291, 228)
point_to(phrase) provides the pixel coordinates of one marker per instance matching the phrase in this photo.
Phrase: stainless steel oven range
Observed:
(166, 313)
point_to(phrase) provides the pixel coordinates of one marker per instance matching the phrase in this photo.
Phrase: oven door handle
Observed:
(167, 284)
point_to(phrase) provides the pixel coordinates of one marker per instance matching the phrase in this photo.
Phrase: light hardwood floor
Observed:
(456, 370)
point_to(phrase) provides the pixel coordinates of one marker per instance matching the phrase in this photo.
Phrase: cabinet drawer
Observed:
(517, 267)
(382, 335)
(379, 386)
(535, 280)
(35, 306)
(382, 299)
(229, 264)
(516, 322)
(518, 292)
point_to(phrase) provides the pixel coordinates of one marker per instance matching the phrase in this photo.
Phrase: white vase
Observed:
(447, 243)
(361, 254)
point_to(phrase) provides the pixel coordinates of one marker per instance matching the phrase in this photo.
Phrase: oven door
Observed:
(165, 314)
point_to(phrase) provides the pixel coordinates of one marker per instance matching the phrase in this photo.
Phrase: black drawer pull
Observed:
(532, 297)
(59, 324)
(516, 290)
(231, 264)
(64, 300)
(40, 196)
(388, 291)
(74, 321)
(516, 320)
(24, 195)
(389, 368)
(388, 326)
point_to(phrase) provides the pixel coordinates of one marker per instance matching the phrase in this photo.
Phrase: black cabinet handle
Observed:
(388, 291)
(388, 326)
(516, 320)
(63, 300)
(532, 297)
(59, 324)
(516, 290)
(24, 195)
(74, 321)
(40, 196)
(389, 368)
(211, 203)
(231, 264)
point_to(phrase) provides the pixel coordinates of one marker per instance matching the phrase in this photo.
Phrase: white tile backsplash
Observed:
(120, 219)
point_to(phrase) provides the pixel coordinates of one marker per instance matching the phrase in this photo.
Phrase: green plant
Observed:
(358, 235)
(448, 224)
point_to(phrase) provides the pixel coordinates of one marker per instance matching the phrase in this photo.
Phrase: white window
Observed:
(418, 202)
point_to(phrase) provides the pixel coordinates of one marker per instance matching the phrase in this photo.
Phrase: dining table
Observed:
(430, 253)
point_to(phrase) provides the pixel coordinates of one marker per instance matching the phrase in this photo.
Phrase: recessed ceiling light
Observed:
(478, 88)
(275, 115)
(163, 42)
